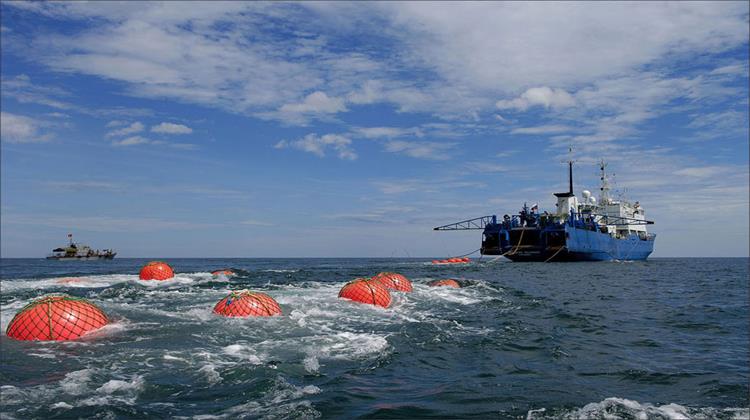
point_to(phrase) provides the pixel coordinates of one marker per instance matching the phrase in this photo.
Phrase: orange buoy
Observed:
(245, 303)
(156, 270)
(227, 272)
(435, 262)
(56, 317)
(394, 281)
(366, 291)
(445, 282)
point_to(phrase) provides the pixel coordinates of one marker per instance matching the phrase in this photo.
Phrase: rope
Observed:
(518, 245)
(466, 255)
(555, 254)
(49, 318)
(512, 250)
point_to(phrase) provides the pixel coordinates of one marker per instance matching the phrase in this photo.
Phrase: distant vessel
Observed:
(577, 231)
(76, 251)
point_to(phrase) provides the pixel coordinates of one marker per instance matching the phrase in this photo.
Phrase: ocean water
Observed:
(666, 338)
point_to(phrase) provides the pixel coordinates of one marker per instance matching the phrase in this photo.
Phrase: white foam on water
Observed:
(283, 400)
(61, 405)
(311, 364)
(116, 385)
(94, 281)
(243, 352)
(76, 382)
(212, 375)
(175, 358)
(176, 281)
(617, 408)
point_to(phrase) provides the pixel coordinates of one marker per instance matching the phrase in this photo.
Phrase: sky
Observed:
(352, 129)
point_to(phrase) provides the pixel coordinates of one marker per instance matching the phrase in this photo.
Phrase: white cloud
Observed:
(131, 141)
(385, 132)
(538, 96)
(116, 123)
(460, 57)
(421, 149)
(317, 145)
(171, 128)
(21, 129)
(24, 91)
(542, 129)
(316, 103)
(133, 128)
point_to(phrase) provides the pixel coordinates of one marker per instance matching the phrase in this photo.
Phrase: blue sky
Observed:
(340, 129)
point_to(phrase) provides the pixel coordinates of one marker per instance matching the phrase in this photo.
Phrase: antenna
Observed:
(570, 174)
(570, 162)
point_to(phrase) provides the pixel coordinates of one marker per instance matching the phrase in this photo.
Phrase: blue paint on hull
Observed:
(563, 242)
(587, 245)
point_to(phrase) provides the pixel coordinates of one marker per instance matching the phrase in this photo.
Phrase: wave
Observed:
(621, 408)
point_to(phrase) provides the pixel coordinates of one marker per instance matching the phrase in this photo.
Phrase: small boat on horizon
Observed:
(76, 251)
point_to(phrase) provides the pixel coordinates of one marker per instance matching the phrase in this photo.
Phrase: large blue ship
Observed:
(586, 230)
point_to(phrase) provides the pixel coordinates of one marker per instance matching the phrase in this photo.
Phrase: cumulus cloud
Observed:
(133, 128)
(171, 128)
(538, 96)
(460, 58)
(317, 145)
(21, 129)
(316, 103)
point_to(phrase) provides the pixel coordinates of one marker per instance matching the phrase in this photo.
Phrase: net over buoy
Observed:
(444, 283)
(227, 272)
(156, 270)
(245, 303)
(366, 291)
(394, 281)
(59, 317)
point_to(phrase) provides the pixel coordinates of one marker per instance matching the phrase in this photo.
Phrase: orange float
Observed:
(454, 260)
(227, 272)
(394, 281)
(444, 283)
(245, 303)
(156, 270)
(57, 317)
(366, 291)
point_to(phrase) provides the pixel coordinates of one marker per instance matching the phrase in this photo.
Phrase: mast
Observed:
(604, 195)
(570, 176)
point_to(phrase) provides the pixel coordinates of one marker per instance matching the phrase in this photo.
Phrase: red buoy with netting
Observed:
(394, 281)
(226, 272)
(156, 270)
(245, 303)
(444, 283)
(366, 291)
(59, 317)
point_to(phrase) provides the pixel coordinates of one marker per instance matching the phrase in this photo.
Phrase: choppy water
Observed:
(667, 338)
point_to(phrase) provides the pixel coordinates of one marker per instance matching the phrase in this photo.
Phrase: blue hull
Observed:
(563, 243)
(586, 245)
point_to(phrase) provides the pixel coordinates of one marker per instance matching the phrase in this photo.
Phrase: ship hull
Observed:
(82, 258)
(568, 244)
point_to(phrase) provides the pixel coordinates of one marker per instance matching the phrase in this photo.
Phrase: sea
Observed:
(665, 338)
